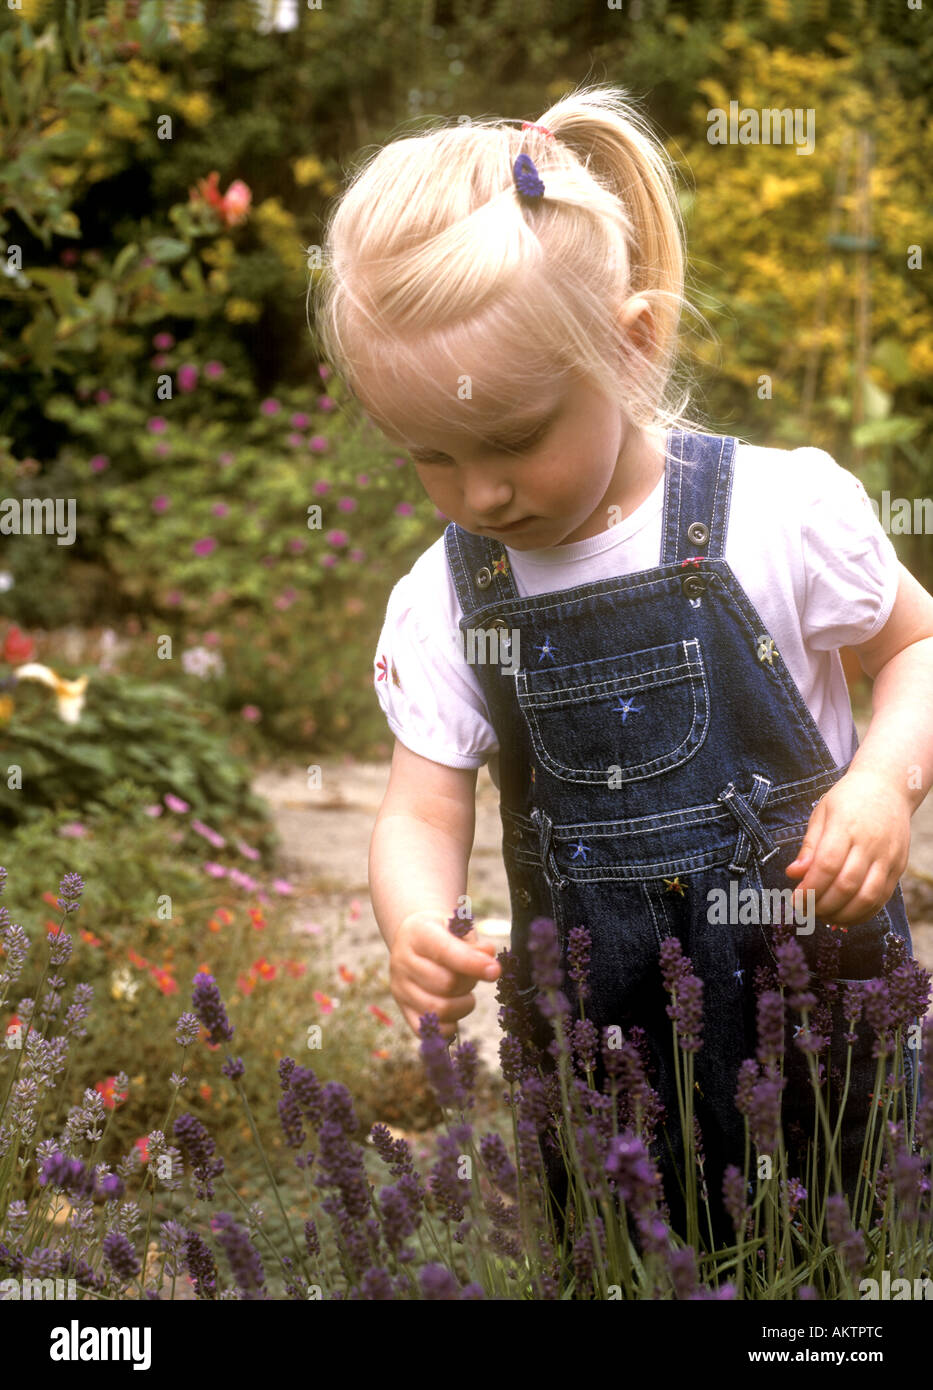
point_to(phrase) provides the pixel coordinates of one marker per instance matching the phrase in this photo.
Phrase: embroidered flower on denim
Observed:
(546, 650)
(674, 885)
(501, 566)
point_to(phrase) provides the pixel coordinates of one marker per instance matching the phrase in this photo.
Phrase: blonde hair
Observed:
(430, 250)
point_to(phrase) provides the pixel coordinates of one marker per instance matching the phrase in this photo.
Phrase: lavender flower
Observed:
(197, 1147)
(579, 943)
(748, 1075)
(925, 1107)
(120, 1255)
(683, 1270)
(394, 1152)
(451, 1190)
(792, 966)
(233, 1067)
(764, 1116)
(187, 1029)
(400, 1216)
(437, 1064)
(498, 1164)
(545, 954)
(686, 1011)
(674, 965)
(209, 1008)
(245, 1264)
(70, 890)
(341, 1163)
(584, 1042)
(438, 1283)
(460, 926)
(733, 1196)
(876, 1001)
(637, 1180)
(849, 1242)
(770, 1026)
(201, 1266)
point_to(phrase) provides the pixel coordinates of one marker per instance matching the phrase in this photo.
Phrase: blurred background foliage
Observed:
(164, 172)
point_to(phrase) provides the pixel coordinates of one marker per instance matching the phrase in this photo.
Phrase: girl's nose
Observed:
(487, 498)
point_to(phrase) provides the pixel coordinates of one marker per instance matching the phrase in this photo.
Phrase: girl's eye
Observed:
(518, 448)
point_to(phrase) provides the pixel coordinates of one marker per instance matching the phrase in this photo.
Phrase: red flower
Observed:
(326, 1003)
(376, 1012)
(142, 1146)
(17, 646)
(108, 1089)
(90, 938)
(346, 975)
(295, 968)
(264, 968)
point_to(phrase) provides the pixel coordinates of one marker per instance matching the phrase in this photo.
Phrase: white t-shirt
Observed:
(802, 541)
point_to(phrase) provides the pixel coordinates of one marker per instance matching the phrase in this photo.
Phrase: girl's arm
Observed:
(858, 839)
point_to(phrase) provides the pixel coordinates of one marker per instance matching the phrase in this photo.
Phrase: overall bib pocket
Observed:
(620, 718)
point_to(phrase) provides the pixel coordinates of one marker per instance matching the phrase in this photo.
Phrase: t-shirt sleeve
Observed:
(429, 694)
(852, 569)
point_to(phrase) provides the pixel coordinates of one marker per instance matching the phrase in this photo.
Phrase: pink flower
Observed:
(214, 369)
(174, 597)
(404, 509)
(354, 910)
(102, 397)
(155, 810)
(175, 803)
(286, 598)
(157, 425)
(282, 885)
(308, 928)
(300, 421)
(204, 546)
(161, 503)
(357, 556)
(297, 545)
(251, 712)
(326, 404)
(215, 870)
(294, 439)
(317, 444)
(74, 830)
(211, 639)
(399, 462)
(220, 509)
(163, 341)
(160, 450)
(324, 371)
(328, 560)
(321, 486)
(246, 850)
(187, 377)
(208, 834)
(346, 504)
(243, 880)
(336, 538)
(362, 479)
(235, 203)
(158, 361)
(226, 459)
(270, 406)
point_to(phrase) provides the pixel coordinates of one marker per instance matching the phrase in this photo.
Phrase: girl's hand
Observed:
(855, 848)
(433, 971)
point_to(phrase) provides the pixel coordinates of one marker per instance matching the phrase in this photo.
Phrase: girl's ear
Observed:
(637, 327)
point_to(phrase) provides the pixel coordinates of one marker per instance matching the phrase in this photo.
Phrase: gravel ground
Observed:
(325, 846)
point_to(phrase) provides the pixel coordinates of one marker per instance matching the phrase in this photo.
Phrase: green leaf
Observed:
(897, 429)
(166, 248)
(126, 256)
(81, 97)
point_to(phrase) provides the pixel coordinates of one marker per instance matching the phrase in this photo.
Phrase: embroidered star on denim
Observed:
(627, 707)
(581, 848)
(674, 885)
(546, 650)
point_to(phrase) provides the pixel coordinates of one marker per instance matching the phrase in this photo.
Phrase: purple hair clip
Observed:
(526, 177)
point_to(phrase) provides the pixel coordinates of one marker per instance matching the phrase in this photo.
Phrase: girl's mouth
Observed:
(505, 530)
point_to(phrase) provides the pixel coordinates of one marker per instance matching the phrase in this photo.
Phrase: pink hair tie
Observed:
(528, 125)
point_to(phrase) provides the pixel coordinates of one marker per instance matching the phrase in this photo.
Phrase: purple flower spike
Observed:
(209, 1008)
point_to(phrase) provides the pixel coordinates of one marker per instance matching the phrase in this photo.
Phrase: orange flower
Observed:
(205, 1091)
(90, 938)
(136, 959)
(142, 1146)
(376, 1012)
(326, 1003)
(295, 968)
(264, 968)
(108, 1089)
(382, 1052)
(257, 917)
(51, 899)
(246, 983)
(166, 983)
(213, 925)
(346, 975)
(53, 928)
(225, 915)
(203, 1035)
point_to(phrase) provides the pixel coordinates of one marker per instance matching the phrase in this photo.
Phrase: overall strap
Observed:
(480, 569)
(697, 492)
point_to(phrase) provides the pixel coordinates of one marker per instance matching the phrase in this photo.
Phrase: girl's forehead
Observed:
(406, 406)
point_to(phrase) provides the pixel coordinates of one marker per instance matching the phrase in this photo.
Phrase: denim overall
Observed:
(653, 747)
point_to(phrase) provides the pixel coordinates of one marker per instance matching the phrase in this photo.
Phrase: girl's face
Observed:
(545, 475)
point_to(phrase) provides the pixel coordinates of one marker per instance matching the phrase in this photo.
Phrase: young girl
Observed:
(656, 684)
